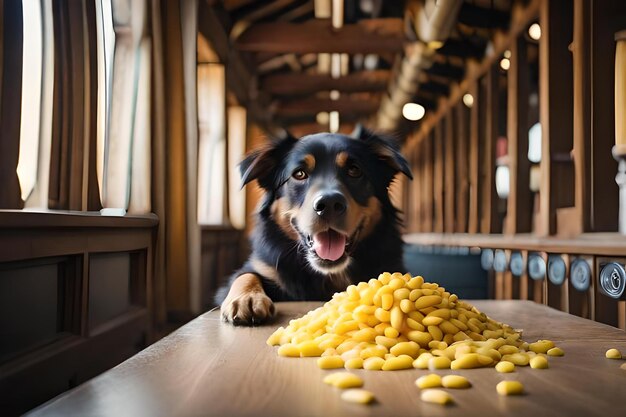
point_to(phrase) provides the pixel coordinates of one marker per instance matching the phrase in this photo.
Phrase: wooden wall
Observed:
(81, 287)
(564, 81)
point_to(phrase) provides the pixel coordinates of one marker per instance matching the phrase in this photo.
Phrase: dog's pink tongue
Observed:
(329, 245)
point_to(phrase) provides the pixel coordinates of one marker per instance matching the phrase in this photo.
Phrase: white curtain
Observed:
(236, 151)
(124, 105)
(33, 168)
(212, 149)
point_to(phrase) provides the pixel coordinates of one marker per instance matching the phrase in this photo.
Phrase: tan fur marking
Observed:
(245, 283)
(373, 214)
(309, 161)
(341, 159)
(266, 270)
(282, 213)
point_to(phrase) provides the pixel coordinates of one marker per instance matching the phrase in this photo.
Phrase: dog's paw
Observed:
(248, 309)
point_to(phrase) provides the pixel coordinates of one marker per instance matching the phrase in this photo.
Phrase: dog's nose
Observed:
(330, 205)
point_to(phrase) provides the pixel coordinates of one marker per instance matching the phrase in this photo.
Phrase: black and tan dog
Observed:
(325, 222)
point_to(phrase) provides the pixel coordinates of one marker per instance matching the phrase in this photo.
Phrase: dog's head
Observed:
(326, 191)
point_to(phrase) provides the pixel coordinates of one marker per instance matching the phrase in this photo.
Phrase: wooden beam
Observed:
(519, 213)
(309, 118)
(438, 176)
(312, 106)
(449, 175)
(521, 16)
(463, 49)
(581, 55)
(606, 18)
(317, 36)
(427, 183)
(461, 114)
(289, 84)
(479, 17)
(555, 98)
(474, 162)
(489, 133)
(238, 78)
(446, 70)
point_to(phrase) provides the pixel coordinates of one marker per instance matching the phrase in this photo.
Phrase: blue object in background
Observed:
(456, 269)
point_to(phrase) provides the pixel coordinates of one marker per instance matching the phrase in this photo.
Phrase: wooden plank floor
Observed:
(209, 368)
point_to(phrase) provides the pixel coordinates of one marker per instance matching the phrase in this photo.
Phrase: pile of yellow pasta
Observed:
(398, 322)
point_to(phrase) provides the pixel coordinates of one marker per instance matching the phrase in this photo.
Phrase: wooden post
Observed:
(427, 182)
(519, 202)
(555, 95)
(474, 162)
(449, 175)
(489, 132)
(438, 184)
(606, 18)
(462, 171)
(582, 114)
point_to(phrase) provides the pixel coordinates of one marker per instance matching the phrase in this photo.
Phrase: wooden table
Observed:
(208, 368)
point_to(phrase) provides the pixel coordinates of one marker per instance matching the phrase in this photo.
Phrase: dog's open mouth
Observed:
(329, 245)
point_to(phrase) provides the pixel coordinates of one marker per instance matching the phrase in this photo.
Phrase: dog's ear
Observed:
(385, 148)
(262, 163)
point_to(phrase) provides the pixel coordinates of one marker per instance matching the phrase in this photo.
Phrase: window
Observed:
(236, 151)
(212, 143)
(36, 107)
(123, 121)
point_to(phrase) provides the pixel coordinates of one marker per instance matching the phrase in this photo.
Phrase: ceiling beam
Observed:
(463, 49)
(318, 36)
(447, 71)
(480, 17)
(292, 84)
(312, 106)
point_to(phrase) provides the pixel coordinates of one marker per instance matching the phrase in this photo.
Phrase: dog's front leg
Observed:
(246, 303)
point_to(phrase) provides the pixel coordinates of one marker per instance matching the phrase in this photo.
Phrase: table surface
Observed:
(210, 368)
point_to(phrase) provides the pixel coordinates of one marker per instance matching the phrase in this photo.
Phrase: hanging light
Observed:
(468, 100)
(413, 111)
(322, 118)
(505, 64)
(534, 31)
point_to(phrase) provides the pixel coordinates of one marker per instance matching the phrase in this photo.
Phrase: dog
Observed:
(325, 222)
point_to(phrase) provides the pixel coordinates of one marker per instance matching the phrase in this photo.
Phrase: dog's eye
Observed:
(354, 171)
(300, 175)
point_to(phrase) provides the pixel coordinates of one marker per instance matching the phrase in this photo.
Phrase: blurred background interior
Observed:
(122, 123)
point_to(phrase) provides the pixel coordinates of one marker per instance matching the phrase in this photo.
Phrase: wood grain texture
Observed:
(317, 36)
(438, 179)
(449, 175)
(213, 369)
(519, 209)
(609, 244)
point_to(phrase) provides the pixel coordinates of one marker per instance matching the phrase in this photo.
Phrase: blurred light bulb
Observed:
(505, 64)
(502, 181)
(468, 100)
(534, 31)
(322, 118)
(413, 111)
